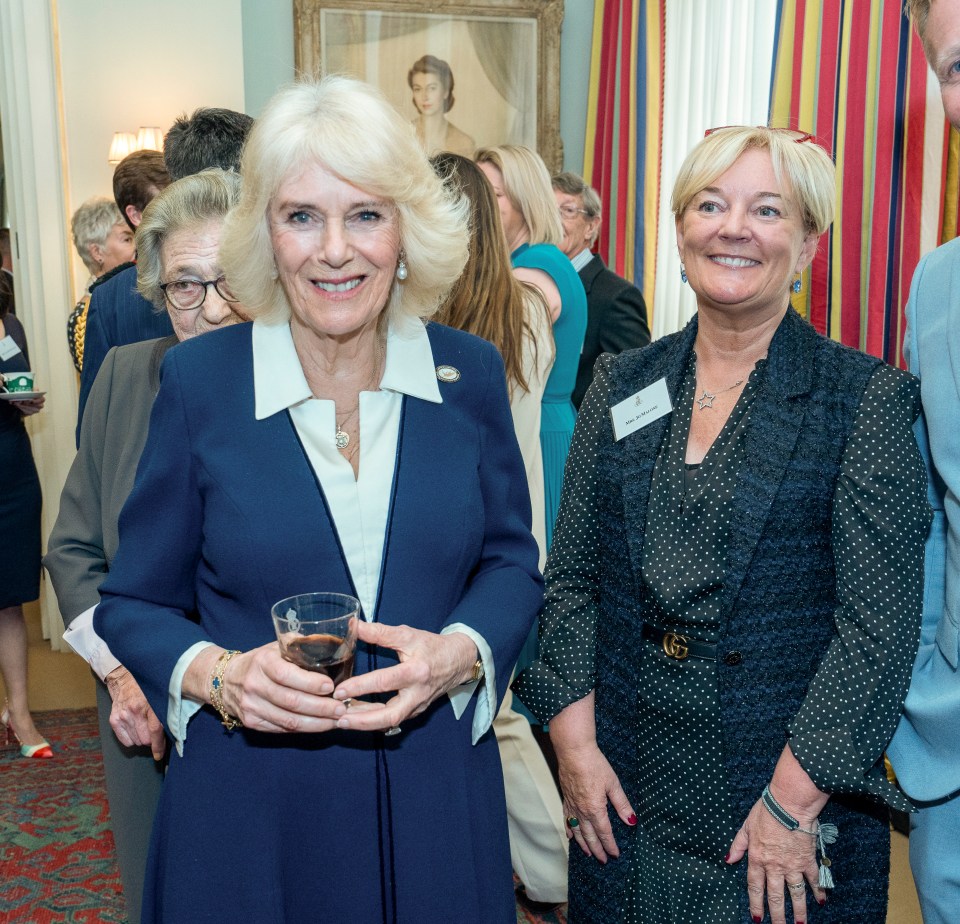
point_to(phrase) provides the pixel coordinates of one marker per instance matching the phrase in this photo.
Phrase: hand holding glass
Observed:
(318, 632)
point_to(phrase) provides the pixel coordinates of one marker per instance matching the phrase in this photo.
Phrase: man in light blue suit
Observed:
(925, 751)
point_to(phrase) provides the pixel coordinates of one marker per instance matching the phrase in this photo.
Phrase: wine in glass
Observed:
(318, 632)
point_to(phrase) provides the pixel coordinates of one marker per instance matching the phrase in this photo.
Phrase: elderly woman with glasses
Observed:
(733, 593)
(339, 443)
(179, 271)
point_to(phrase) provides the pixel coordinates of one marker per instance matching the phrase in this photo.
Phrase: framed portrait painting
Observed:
(467, 73)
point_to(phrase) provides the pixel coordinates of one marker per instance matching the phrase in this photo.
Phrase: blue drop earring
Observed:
(683, 274)
(797, 286)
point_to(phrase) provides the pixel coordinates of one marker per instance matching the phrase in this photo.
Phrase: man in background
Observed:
(118, 314)
(925, 751)
(209, 138)
(616, 313)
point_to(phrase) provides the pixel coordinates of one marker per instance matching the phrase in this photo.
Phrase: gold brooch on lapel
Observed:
(448, 373)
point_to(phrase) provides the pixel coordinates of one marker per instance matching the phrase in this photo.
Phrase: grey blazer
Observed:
(115, 422)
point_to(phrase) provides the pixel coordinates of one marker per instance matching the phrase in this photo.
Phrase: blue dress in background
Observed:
(557, 413)
(20, 495)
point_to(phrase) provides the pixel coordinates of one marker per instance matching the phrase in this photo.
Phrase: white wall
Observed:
(127, 63)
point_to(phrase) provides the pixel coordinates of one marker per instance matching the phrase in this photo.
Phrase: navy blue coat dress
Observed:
(226, 517)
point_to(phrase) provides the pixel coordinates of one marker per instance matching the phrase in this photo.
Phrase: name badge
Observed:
(8, 347)
(646, 406)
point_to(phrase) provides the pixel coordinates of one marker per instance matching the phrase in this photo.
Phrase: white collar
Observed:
(279, 382)
(582, 259)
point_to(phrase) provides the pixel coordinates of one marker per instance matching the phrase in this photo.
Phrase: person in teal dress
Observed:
(531, 222)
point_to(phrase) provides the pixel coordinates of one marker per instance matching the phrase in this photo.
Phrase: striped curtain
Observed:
(853, 73)
(622, 149)
(662, 73)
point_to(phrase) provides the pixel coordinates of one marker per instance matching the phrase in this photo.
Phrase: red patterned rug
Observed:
(56, 848)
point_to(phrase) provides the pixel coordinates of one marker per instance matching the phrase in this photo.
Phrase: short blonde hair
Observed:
(349, 129)
(526, 182)
(92, 224)
(188, 203)
(804, 170)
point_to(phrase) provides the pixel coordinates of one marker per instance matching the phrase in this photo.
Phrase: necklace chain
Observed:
(707, 398)
(341, 437)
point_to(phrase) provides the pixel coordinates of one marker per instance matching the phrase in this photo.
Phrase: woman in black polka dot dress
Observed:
(733, 597)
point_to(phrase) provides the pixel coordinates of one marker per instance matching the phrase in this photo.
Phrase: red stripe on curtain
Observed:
(623, 162)
(825, 129)
(795, 86)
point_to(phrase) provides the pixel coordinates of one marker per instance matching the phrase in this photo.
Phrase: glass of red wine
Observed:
(318, 632)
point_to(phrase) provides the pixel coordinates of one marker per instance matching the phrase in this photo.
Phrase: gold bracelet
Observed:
(216, 691)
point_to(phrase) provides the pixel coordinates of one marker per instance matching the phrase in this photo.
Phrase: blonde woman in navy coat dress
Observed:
(340, 443)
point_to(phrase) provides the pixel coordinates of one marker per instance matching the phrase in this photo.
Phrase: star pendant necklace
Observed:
(707, 398)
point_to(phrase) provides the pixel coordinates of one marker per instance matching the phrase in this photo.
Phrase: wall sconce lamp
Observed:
(147, 138)
(123, 143)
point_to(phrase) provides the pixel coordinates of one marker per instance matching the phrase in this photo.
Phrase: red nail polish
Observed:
(631, 819)
(821, 902)
(726, 858)
(757, 919)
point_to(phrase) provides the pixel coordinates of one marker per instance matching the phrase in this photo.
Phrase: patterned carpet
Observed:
(56, 848)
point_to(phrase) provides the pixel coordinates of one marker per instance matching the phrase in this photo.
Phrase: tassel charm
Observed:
(826, 834)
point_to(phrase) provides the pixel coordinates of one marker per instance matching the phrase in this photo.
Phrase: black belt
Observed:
(679, 646)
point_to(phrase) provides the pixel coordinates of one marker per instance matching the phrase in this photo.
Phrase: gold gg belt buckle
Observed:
(675, 646)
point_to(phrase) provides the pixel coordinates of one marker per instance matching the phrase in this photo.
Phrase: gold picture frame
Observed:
(504, 56)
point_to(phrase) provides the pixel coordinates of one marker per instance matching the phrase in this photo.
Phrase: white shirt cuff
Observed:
(180, 710)
(487, 697)
(83, 639)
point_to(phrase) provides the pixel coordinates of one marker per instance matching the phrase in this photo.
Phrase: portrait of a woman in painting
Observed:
(431, 81)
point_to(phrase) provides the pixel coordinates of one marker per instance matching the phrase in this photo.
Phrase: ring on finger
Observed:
(573, 821)
(393, 730)
(347, 703)
(796, 887)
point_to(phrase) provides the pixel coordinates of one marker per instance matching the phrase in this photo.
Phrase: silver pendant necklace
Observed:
(707, 398)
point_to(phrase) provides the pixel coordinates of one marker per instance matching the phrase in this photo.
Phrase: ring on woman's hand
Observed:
(393, 730)
(573, 821)
(797, 886)
(347, 703)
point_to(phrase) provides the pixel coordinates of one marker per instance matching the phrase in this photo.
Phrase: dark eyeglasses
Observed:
(188, 294)
(802, 136)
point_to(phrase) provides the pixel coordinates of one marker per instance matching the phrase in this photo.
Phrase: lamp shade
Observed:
(123, 143)
(149, 139)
